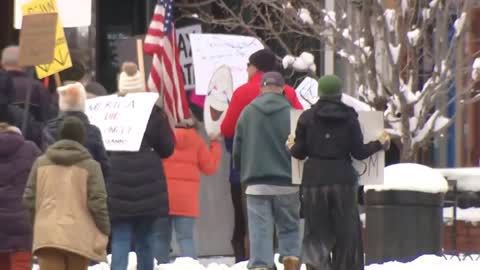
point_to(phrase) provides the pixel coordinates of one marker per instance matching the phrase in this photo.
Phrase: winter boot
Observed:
(291, 263)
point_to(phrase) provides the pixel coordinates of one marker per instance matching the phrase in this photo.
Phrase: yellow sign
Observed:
(62, 58)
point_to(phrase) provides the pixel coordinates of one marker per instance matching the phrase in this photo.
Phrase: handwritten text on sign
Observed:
(371, 169)
(185, 52)
(122, 120)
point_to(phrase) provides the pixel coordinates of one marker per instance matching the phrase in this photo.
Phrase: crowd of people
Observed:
(67, 201)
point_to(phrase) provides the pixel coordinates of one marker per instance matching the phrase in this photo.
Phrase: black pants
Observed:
(332, 239)
(240, 226)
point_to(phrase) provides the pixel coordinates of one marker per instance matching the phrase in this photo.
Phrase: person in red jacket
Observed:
(191, 157)
(258, 63)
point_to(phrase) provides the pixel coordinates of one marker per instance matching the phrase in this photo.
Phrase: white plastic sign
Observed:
(122, 120)
(210, 51)
(72, 13)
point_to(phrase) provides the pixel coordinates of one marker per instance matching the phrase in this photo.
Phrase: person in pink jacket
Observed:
(192, 156)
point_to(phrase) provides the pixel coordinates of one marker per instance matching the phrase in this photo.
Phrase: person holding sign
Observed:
(329, 135)
(40, 98)
(71, 102)
(259, 153)
(137, 188)
(259, 62)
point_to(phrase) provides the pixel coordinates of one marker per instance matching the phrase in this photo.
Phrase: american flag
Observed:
(166, 73)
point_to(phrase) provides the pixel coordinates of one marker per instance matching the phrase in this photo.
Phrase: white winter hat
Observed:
(71, 97)
(130, 80)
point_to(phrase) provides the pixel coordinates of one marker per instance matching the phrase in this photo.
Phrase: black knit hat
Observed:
(264, 60)
(72, 129)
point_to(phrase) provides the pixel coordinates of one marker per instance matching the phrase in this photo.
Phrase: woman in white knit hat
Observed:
(137, 189)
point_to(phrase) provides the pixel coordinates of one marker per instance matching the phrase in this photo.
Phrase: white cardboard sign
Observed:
(72, 13)
(210, 51)
(370, 169)
(185, 51)
(122, 120)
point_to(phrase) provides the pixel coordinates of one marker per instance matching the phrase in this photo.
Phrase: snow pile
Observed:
(391, 19)
(395, 51)
(305, 16)
(459, 24)
(468, 179)
(413, 36)
(427, 262)
(303, 63)
(411, 177)
(469, 215)
(476, 69)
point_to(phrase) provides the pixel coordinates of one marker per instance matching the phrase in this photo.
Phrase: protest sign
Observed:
(72, 13)
(371, 169)
(37, 39)
(61, 60)
(220, 90)
(122, 120)
(185, 53)
(297, 165)
(307, 94)
(210, 51)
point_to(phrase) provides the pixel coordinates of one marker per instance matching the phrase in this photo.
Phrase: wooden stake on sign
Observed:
(141, 60)
(58, 80)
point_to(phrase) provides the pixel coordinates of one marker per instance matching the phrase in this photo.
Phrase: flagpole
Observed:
(141, 60)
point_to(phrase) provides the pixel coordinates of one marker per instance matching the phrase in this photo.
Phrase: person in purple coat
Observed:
(16, 159)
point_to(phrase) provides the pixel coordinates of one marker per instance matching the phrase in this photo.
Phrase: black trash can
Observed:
(402, 225)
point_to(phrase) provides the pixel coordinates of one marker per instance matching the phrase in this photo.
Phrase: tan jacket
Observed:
(67, 197)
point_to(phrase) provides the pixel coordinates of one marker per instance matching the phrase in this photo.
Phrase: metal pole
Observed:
(329, 59)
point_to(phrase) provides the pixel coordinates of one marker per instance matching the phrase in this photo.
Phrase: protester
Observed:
(71, 102)
(138, 199)
(23, 83)
(259, 62)
(260, 154)
(16, 159)
(328, 135)
(68, 202)
(190, 158)
(14, 115)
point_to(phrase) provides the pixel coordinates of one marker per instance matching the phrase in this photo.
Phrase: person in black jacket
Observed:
(137, 188)
(329, 135)
(71, 102)
(14, 115)
(40, 99)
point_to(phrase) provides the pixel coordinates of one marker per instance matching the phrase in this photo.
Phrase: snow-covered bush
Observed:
(405, 55)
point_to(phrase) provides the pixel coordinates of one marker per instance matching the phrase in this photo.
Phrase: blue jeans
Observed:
(183, 227)
(122, 234)
(265, 213)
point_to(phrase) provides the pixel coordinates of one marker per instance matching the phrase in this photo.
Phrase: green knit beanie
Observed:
(329, 85)
(72, 129)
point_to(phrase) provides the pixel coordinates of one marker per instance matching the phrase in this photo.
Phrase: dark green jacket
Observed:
(259, 150)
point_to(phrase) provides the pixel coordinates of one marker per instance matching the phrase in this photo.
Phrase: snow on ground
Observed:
(468, 179)
(412, 177)
(426, 262)
(469, 215)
